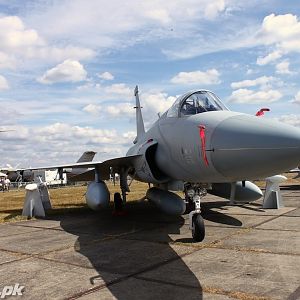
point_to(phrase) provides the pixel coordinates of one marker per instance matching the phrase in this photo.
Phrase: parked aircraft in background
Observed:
(197, 146)
(74, 173)
(296, 170)
(17, 174)
(27, 175)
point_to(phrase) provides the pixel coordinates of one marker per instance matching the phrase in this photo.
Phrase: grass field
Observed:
(66, 199)
(62, 199)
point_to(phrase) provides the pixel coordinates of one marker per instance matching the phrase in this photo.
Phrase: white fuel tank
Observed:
(166, 201)
(97, 195)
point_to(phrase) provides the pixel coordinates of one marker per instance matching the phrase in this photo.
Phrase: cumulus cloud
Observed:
(279, 33)
(282, 32)
(120, 89)
(14, 35)
(63, 131)
(159, 14)
(67, 71)
(117, 26)
(266, 92)
(255, 97)
(153, 103)
(281, 29)
(18, 43)
(55, 54)
(7, 61)
(16, 133)
(3, 83)
(213, 8)
(123, 110)
(291, 119)
(74, 18)
(60, 143)
(208, 77)
(92, 109)
(271, 57)
(296, 99)
(263, 81)
(106, 76)
(284, 68)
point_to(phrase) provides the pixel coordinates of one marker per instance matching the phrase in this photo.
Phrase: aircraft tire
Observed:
(198, 231)
(118, 202)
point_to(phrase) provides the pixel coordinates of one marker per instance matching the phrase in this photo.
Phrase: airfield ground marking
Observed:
(14, 260)
(17, 253)
(37, 227)
(132, 275)
(212, 290)
(209, 289)
(214, 244)
(20, 233)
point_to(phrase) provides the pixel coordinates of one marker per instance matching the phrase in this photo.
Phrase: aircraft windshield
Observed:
(195, 103)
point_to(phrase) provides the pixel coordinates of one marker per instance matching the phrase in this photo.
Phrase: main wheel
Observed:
(198, 228)
(118, 202)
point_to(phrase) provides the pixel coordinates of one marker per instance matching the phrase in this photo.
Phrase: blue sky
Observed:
(68, 68)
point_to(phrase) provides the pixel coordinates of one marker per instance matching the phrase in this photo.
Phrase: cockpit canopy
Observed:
(195, 102)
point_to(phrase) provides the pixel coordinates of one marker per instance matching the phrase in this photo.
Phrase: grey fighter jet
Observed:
(197, 146)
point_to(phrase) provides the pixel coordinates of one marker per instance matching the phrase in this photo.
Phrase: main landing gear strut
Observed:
(193, 195)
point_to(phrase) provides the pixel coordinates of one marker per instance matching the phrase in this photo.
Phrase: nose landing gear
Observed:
(198, 228)
(193, 194)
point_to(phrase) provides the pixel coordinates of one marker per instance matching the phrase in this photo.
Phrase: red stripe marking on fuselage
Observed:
(203, 141)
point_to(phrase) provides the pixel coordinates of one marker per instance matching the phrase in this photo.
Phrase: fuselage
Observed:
(216, 146)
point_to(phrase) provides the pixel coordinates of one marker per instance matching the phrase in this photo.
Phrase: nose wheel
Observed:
(198, 228)
(193, 194)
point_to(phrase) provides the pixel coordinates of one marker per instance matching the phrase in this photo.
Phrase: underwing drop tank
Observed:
(97, 195)
(246, 192)
(166, 201)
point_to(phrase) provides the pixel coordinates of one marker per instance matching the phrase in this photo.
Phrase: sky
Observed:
(68, 68)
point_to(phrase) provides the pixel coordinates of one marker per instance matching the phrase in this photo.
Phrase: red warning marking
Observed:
(261, 112)
(203, 141)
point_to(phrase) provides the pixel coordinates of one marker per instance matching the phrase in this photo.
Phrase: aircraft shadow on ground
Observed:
(293, 187)
(128, 256)
(218, 217)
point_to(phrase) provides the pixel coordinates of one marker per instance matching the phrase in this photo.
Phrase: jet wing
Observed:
(102, 167)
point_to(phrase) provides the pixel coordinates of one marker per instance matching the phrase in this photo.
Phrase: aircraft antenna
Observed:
(140, 129)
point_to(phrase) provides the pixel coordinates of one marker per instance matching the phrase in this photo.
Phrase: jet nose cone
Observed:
(248, 147)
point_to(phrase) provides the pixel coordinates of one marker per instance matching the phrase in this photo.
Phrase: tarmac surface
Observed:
(248, 253)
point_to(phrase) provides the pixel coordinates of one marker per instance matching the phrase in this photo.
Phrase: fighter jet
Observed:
(197, 146)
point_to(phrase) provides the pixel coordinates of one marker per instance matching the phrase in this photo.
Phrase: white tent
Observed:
(3, 175)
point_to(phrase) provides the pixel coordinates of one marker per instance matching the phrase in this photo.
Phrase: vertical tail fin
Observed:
(140, 129)
(86, 156)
